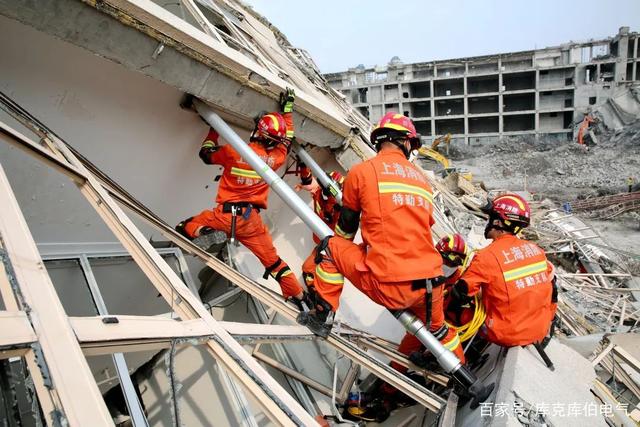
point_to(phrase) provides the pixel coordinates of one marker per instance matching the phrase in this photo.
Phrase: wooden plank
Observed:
(596, 360)
(95, 330)
(16, 329)
(294, 374)
(10, 303)
(75, 389)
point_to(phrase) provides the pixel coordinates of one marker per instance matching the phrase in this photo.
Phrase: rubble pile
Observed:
(562, 171)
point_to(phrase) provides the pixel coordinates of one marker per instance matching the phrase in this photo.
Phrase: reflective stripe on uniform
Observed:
(275, 273)
(245, 173)
(385, 187)
(318, 208)
(332, 278)
(340, 232)
(453, 344)
(527, 270)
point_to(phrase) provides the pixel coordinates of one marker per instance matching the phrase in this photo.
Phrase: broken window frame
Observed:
(102, 194)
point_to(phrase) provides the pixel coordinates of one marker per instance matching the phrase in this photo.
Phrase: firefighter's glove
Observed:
(286, 100)
(206, 150)
(459, 297)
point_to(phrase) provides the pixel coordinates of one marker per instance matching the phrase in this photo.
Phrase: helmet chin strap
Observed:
(491, 226)
(400, 144)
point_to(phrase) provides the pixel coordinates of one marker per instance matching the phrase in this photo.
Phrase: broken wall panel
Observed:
(477, 67)
(556, 100)
(391, 93)
(513, 64)
(555, 78)
(450, 70)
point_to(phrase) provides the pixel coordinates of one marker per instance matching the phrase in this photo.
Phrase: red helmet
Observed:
(453, 249)
(512, 209)
(393, 126)
(271, 129)
(337, 177)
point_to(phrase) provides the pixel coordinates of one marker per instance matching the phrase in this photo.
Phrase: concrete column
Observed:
(432, 103)
(635, 55)
(621, 61)
(537, 103)
(465, 104)
(500, 118)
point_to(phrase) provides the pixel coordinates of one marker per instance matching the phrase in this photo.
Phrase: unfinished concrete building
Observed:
(481, 99)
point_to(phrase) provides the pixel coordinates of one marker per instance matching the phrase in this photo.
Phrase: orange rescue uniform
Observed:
(515, 278)
(241, 184)
(395, 202)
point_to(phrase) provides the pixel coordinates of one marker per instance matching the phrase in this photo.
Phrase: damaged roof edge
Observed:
(143, 37)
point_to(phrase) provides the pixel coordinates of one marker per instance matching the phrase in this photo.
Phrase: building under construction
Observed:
(109, 316)
(542, 92)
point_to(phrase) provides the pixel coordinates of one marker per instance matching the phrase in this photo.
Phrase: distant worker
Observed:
(325, 206)
(391, 201)
(630, 182)
(584, 127)
(242, 193)
(516, 280)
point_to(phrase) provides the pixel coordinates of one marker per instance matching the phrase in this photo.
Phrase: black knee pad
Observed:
(180, 228)
(323, 246)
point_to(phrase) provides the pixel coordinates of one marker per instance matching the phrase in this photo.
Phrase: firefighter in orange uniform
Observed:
(325, 206)
(242, 193)
(391, 201)
(516, 280)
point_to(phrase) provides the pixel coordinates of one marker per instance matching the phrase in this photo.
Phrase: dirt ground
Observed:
(562, 171)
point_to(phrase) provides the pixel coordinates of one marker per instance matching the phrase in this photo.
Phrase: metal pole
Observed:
(318, 172)
(285, 192)
(130, 396)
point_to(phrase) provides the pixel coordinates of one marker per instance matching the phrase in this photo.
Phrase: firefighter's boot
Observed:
(210, 240)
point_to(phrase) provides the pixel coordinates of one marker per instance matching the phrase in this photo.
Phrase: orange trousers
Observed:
(347, 259)
(253, 234)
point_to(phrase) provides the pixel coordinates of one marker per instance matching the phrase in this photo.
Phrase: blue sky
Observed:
(345, 33)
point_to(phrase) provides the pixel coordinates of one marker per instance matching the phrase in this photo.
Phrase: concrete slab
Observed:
(564, 394)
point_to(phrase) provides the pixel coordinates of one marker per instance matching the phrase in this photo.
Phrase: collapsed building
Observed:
(110, 317)
(479, 100)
